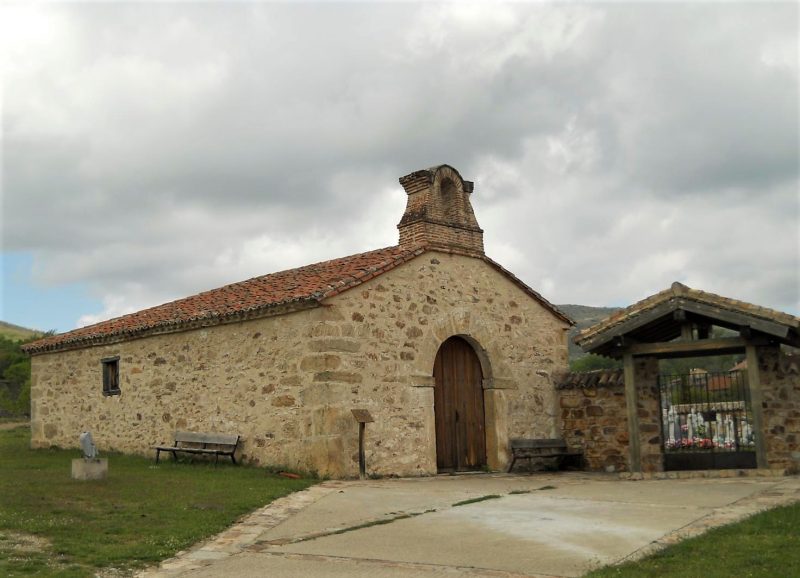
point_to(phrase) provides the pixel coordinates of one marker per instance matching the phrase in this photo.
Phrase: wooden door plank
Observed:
(477, 426)
(462, 417)
(458, 407)
(439, 403)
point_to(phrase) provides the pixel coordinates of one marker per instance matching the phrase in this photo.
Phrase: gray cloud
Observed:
(155, 150)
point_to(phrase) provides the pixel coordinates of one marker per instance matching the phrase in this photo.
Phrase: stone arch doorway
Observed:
(458, 407)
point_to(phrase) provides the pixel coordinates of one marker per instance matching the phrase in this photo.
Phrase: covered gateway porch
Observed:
(753, 417)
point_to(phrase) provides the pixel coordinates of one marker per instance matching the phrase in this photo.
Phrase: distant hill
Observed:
(584, 316)
(15, 332)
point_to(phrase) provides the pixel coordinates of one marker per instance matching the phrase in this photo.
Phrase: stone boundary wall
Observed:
(594, 417)
(594, 420)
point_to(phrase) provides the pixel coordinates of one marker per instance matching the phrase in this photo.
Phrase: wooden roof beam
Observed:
(674, 348)
(737, 320)
(733, 319)
(626, 326)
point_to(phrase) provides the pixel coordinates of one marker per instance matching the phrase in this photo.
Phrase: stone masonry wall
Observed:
(646, 370)
(287, 383)
(780, 384)
(595, 420)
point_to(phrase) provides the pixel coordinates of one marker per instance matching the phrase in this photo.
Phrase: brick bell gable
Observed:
(439, 213)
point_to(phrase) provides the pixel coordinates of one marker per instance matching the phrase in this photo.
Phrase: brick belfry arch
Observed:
(439, 212)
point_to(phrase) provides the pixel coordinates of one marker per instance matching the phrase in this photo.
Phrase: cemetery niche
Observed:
(645, 419)
(706, 421)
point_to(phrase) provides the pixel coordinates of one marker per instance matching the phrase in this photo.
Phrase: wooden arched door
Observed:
(458, 407)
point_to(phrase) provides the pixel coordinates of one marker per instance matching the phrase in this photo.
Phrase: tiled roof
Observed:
(596, 378)
(310, 284)
(256, 297)
(679, 291)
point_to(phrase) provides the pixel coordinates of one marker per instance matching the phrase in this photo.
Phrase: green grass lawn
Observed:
(766, 545)
(142, 513)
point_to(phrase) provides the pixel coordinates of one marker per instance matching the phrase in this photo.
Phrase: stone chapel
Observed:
(450, 353)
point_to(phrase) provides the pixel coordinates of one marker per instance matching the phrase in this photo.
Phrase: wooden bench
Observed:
(542, 448)
(198, 443)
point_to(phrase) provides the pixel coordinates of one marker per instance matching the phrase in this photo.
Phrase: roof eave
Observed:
(595, 339)
(49, 345)
(530, 291)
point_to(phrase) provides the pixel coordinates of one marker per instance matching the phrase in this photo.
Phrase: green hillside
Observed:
(17, 333)
(584, 316)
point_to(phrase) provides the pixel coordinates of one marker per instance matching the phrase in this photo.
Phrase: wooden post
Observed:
(362, 460)
(756, 401)
(632, 402)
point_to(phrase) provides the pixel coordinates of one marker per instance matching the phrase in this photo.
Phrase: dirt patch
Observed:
(26, 554)
(14, 425)
(18, 543)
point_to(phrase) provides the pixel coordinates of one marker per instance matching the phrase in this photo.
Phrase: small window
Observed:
(111, 376)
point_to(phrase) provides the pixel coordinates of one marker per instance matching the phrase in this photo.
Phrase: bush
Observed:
(15, 372)
(592, 362)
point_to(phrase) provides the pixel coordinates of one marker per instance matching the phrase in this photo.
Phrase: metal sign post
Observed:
(363, 417)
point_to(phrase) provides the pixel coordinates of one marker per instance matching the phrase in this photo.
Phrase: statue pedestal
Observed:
(89, 469)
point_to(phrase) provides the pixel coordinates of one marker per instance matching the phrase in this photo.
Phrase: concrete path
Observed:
(540, 525)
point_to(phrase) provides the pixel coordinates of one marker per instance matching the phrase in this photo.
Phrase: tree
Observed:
(15, 370)
(592, 362)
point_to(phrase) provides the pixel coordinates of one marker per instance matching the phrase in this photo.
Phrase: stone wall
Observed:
(594, 417)
(646, 369)
(287, 383)
(780, 384)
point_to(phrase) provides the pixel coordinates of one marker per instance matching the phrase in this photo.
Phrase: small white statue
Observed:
(87, 445)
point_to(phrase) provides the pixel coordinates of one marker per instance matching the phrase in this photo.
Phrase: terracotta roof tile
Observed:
(310, 284)
(255, 297)
(584, 379)
(678, 290)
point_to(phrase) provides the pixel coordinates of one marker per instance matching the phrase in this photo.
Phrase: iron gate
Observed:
(707, 421)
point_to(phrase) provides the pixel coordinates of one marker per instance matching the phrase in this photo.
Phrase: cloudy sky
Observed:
(154, 150)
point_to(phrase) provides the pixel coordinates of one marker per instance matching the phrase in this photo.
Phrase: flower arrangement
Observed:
(698, 443)
(693, 443)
